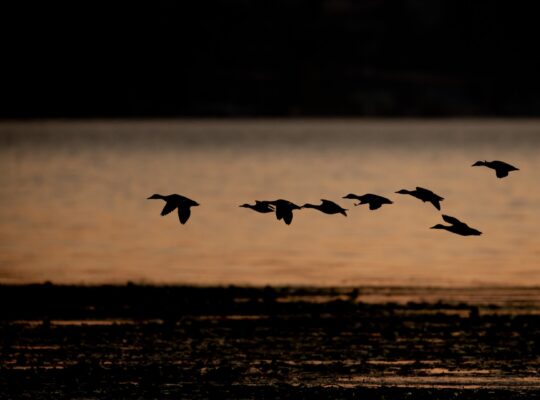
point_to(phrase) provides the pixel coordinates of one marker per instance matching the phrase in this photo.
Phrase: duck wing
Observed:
(503, 165)
(436, 203)
(169, 207)
(452, 220)
(280, 211)
(374, 205)
(287, 216)
(183, 214)
(501, 173)
(428, 194)
(263, 206)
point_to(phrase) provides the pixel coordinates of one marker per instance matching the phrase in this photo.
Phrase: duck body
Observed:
(375, 201)
(457, 227)
(176, 201)
(425, 195)
(284, 210)
(327, 207)
(501, 168)
(260, 206)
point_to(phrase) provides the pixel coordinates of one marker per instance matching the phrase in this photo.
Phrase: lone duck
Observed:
(501, 168)
(375, 201)
(260, 206)
(457, 227)
(174, 201)
(327, 207)
(284, 210)
(424, 195)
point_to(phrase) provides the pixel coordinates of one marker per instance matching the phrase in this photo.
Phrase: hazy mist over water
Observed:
(74, 209)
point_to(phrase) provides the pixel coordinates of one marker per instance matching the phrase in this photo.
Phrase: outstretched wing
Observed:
(183, 214)
(427, 193)
(264, 206)
(436, 204)
(169, 207)
(501, 173)
(451, 220)
(328, 202)
(287, 216)
(374, 205)
(279, 212)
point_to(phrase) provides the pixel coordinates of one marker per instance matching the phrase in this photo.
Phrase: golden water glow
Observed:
(74, 209)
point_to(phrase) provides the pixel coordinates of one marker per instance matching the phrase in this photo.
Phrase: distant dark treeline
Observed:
(270, 58)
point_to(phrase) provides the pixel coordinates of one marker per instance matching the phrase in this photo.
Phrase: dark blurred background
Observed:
(247, 58)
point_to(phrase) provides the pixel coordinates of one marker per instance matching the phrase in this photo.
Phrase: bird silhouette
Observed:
(501, 168)
(424, 195)
(375, 201)
(260, 206)
(284, 210)
(174, 201)
(457, 227)
(327, 207)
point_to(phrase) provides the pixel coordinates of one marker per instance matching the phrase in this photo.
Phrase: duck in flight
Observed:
(424, 195)
(327, 207)
(174, 201)
(501, 168)
(375, 201)
(260, 206)
(457, 227)
(284, 210)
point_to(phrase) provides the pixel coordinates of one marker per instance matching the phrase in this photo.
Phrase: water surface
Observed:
(74, 209)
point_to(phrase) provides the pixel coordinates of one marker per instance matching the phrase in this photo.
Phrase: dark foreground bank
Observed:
(184, 342)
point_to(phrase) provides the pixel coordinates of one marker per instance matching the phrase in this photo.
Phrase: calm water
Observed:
(74, 209)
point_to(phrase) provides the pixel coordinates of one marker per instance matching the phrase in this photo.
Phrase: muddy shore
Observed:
(138, 341)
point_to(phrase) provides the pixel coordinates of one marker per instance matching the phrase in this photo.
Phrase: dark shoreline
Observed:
(236, 342)
(141, 301)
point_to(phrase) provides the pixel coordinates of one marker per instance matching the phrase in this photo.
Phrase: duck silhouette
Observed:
(457, 227)
(327, 207)
(174, 201)
(260, 206)
(284, 210)
(375, 201)
(424, 195)
(501, 168)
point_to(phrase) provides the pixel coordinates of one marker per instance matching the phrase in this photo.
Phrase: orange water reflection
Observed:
(74, 206)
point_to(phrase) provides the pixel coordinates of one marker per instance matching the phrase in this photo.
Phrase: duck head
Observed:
(155, 196)
(245, 205)
(403, 191)
(478, 164)
(350, 196)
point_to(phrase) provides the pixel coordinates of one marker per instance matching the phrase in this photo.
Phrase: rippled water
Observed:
(74, 209)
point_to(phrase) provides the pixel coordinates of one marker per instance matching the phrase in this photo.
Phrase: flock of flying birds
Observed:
(283, 209)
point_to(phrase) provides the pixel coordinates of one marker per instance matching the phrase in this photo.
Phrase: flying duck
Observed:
(260, 206)
(327, 207)
(424, 195)
(375, 201)
(174, 201)
(284, 210)
(501, 168)
(457, 227)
